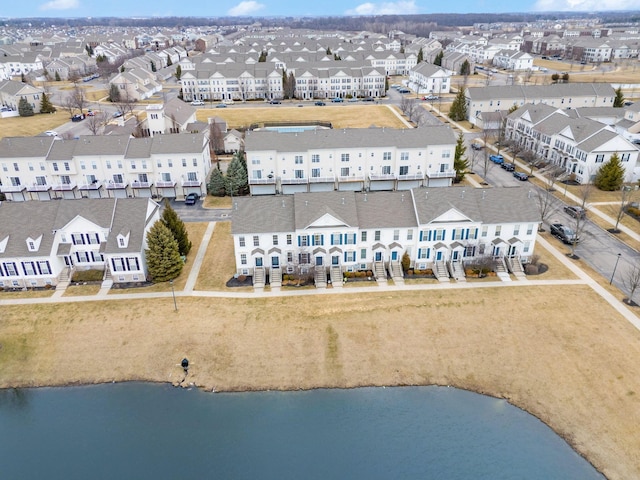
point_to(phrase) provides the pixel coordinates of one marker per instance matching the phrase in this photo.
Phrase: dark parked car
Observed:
(476, 146)
(564, 233)
(575, 212)
(191, 199)
(509, 167)
(403, 90)
(368, 99)
(320, 104)
(275, 102)
(523, 177)
(78, 117)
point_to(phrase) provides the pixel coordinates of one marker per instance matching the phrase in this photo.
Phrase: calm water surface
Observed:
(147, 431)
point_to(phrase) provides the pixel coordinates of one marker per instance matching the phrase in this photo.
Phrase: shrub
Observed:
(369, 273)
(405, 262)
(634, 211)
(531, 269)
(410, 272)
(242, 278)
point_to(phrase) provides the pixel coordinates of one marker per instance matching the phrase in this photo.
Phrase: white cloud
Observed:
(385, 8)
(245, 8)
(60, 5)
(584, 5)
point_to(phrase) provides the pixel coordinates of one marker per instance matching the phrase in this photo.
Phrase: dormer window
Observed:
(33, 244)
(123, 240)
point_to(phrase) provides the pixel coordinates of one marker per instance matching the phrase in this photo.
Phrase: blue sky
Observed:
(146, 8)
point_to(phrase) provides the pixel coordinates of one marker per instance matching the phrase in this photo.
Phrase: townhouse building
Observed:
(11, 92)
(365, 231)
(561, 95)
(429, 78)
(113, 166)
(579, 145)
(513, 60)
(42, 244)
(323, 160)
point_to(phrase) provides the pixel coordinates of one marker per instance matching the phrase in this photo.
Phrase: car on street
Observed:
(477, 146)
(90, 113)
(575, 212)
(403, 90)
(337, 100)
(320, 104)
(51, 133)
(509, 167)
(275, 102)
(523, 177)
(221, 105)
(78, 117)
(564, 233)
(430, 97)
(497, 159)
(191, 199)
(353, 99)
(197, 103)
(368, 99)
(117, 114)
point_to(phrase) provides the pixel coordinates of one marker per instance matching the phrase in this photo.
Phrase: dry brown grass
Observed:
(217, 202)
(219, 262)
(81, 290)
(30, 126)
(532, 346)
(26, 294)
(343, 116)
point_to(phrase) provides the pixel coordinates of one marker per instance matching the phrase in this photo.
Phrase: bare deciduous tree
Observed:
(578, 223)
(546, 206)
(409, 106)
(631, 281)
(625, 197)
(97, 121)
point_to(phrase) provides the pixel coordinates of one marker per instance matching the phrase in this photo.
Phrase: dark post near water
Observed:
(185, 365)
(614, 268)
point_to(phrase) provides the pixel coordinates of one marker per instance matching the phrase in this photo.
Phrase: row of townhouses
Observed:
(359, 231)
(349, 159)
(42, 243)
(577, 144)
(113, 166)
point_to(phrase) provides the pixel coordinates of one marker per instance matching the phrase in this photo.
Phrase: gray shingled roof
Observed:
(130, 217)
(309, 207)
(527, 92)
(489, 205)
(16, 147)
(263, 214)
(386, 210)
(182, 143)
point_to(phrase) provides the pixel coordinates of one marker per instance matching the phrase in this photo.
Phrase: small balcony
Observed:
(411, 176)
(90, 186)
(12, 188)
(384, 176)
(352, 178)
(38, 188)
(294, 181)
(191, 183)
(445, 174)
(116, 185)
(262, 181)
(137, 184)
(63, 187)
(165, 184)
(322, 179)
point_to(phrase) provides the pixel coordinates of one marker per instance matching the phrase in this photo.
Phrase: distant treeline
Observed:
(420, 25)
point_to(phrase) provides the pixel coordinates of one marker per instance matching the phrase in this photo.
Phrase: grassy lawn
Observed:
(81, 290)
(30, 126)
(343, 116)
(26, 294)
(217, 202)
(219, 262)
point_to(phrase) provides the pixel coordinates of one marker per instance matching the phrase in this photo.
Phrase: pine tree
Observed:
(173, 222)
(178, 72)
(45, 105)
(24, 108)
(420, 56)
(114, 93)
(460, 162)
(236, 182)
(465, 68)
(153, 66)
(169, 61)
(216, 185)
(57, 77)
(618, 102)
(438, 59)
(162, 254)
(610, 176)
(458, 109)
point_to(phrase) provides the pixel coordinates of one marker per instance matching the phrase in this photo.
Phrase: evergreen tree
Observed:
(173, 222)
(236, 181)
(465, 68)
(263, 57)
(45, 105)
(458, 109)
(610, 176)
(618, 102)
(328, 51)
(57, 77)
(162, 254)
(24, 108)
(438, 59)
(216, 185)
(169, 61)
(23, 79)
(420, 56)
(178, 72)
(153, 66)
(122, 69)
(114, 93)
(460, 161)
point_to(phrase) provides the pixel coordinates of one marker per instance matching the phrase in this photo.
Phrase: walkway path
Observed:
(188, 291)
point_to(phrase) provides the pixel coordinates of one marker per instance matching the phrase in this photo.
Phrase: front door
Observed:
(438, 256)
(496, 251)
(378, 256)
(319, 261)
(512, 251)
(394, 256)
(454, 256)
(335, 260)
(275, 262)
(258, 261)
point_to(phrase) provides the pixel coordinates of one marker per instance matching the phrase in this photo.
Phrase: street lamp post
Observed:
(614, 268)
(173, 293)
